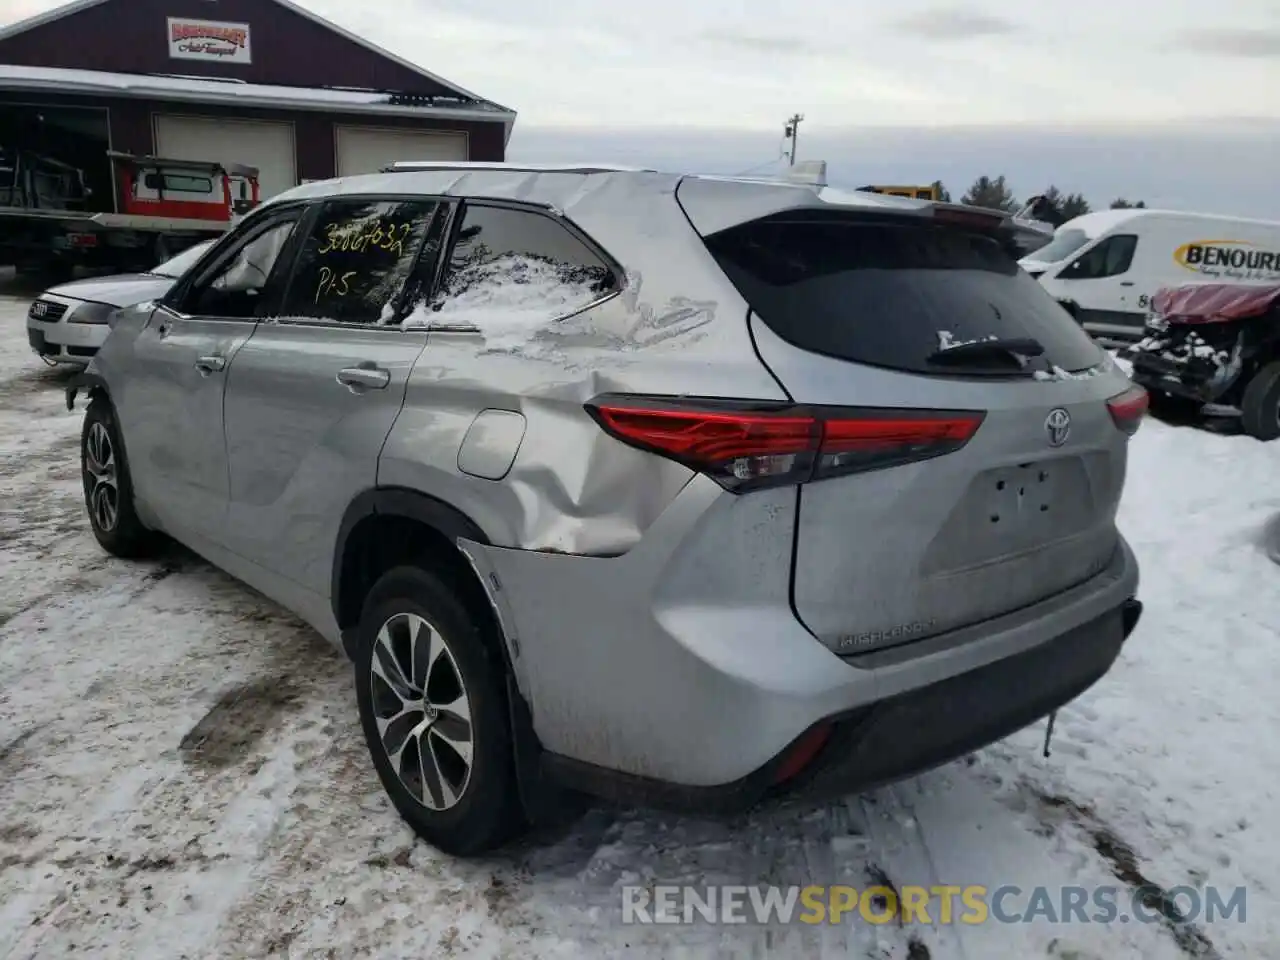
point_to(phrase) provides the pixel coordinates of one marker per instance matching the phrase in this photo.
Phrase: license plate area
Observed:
(1012, 510)
(37, 341)
(1024, 494)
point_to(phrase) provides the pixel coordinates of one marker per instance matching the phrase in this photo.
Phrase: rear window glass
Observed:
(891, 294)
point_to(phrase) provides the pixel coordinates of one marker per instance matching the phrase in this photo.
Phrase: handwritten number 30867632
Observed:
(340, 238)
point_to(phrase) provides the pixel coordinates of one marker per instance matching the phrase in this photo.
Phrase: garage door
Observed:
(267, 146)
(368, 149)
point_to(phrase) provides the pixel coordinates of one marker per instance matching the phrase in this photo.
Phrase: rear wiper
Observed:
(981, 352)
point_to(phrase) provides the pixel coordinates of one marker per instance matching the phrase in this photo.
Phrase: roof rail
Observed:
(464, 166)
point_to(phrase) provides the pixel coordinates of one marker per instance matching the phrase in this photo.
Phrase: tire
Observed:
(460, 810)
(1260, 408)
(108, 490)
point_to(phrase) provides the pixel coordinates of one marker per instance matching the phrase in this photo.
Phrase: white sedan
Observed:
(68, 323)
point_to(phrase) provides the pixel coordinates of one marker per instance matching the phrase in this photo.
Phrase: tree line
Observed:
(1053, 206)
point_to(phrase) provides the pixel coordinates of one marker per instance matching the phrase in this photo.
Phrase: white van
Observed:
(1106, 266)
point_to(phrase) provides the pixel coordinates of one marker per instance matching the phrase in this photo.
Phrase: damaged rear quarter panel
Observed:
(675, 327)
(620, 657)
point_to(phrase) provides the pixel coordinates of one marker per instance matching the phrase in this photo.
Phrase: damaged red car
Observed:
(1214, 343)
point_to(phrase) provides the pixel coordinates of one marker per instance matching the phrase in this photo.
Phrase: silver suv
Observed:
(674, 490)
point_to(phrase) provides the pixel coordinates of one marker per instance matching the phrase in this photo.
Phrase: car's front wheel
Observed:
(108, 488)
(434, 715)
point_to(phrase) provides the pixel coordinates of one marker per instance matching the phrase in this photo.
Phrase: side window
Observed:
(1120, 256)
(514, 268)
(353, 264)
(1110, 258)
(236, 284)
(182, 183)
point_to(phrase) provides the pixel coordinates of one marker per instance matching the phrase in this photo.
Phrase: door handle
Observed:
(364, 377)
(210, 364)
(1126, 283)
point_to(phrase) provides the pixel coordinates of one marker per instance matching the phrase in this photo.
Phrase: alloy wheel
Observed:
(101, 470)
(422, 712)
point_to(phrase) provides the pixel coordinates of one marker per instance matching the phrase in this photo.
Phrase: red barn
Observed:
(265, 83)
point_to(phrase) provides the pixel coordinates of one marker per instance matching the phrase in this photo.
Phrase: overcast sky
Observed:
(1173, 101)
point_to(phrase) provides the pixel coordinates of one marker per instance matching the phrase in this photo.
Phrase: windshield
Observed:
(1063, 245)
(177, 266)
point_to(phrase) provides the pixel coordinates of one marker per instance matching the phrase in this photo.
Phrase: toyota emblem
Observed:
(1058, 425)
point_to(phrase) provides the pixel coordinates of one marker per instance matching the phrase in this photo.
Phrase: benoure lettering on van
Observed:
(1229, 259)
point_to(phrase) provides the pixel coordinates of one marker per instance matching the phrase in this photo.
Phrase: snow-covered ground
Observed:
(182, 774)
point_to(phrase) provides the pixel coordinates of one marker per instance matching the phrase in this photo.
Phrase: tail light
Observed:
(745, 445)
(1128, 408)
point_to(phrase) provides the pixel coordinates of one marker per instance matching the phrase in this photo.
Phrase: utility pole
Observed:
(791, 132)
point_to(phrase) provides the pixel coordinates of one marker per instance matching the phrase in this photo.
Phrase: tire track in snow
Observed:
(1123, 862)
(106, 781)
(951, 827)
(904, 851)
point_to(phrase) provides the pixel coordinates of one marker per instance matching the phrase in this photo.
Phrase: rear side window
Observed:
(1112, 257)
(890, 294)
(354, 263)
(517, 270)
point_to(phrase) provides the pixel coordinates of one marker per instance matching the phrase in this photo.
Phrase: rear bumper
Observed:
(900, 736)
(913, 732)
(680, 667)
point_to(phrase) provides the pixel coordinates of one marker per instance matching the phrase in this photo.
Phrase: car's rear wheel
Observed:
(432, 708)
(108, 489)
(1260, 408)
